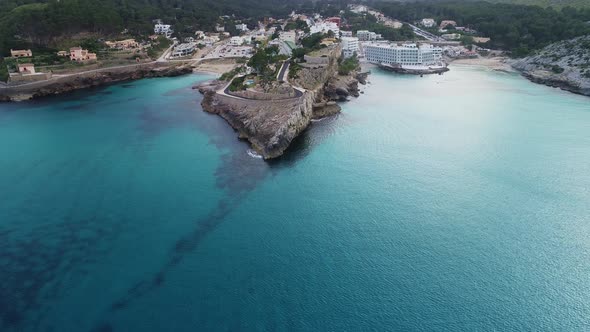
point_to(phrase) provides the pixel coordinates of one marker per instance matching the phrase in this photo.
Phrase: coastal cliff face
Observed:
(271, 125)
(87, 80)
(565, 64)
(327, 86)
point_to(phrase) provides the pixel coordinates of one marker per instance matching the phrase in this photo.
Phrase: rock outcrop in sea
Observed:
(565, 64)
(270, 125)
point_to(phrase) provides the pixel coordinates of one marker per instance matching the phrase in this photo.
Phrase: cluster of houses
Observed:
(368, 45)
(77, 54)
(445, 24)
(25, 70)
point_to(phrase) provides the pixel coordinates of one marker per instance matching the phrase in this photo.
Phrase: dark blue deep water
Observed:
(455, 202)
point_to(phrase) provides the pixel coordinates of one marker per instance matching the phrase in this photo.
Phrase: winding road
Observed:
(284, 69)
(280, 77)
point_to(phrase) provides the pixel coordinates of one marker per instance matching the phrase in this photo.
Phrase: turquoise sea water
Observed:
(455, 202)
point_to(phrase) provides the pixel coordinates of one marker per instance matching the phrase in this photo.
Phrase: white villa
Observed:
(184, 49)
(163, 29)
(242, 27)
(358, 8)
(350, 45)
(199, 34)
(428, 22)
(324, 27)
(366, 35)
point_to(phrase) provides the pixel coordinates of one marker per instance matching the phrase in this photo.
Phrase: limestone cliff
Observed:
(565, 64)
(328, 87)
(270, 125)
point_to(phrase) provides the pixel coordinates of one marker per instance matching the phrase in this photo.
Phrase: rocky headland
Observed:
(59, 85)
(271, 123)
(565, 64)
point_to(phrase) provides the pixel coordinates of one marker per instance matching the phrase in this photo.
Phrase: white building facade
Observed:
(350, 46)
(163, 29)
(242, 27)
(324, 27)
(344, 33)
(428, 22)
(184, 49)
(236, 41)
(366, 35)
(405, 55)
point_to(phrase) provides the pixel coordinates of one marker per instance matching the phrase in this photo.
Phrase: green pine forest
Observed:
(518, 28)
(46, 24)
(43, 23)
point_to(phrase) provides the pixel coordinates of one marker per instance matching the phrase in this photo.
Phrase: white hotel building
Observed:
(350, 45)
(404, 55)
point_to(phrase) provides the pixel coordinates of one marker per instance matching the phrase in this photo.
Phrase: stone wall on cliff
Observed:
(278, 93)
(328, 86)
(314, 76)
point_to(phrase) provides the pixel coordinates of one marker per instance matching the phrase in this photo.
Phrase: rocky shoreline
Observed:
(105, 76)
(556, 81)
(271, 125)
(562, 65)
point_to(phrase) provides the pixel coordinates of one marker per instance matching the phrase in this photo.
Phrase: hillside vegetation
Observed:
(42, 23)
(541, 3)
(548, 3)
(517, 28)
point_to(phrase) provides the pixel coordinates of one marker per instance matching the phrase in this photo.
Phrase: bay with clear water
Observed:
(453, 202)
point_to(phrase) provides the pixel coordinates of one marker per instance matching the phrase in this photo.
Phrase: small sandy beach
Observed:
(494, 63)
(216, 66)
